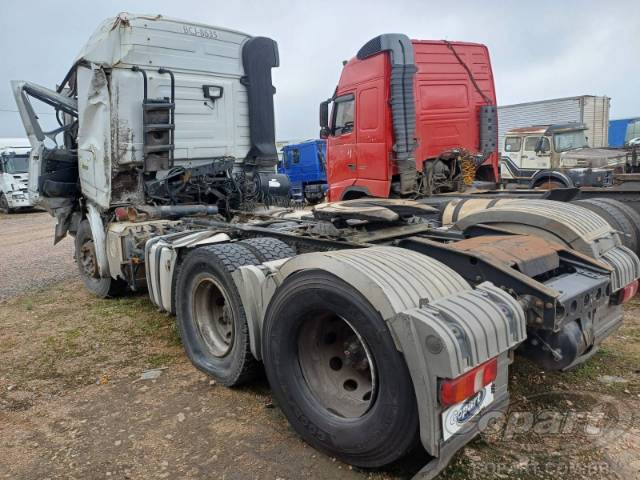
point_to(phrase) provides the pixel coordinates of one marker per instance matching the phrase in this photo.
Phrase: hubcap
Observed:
(337, 365)
(213, 316)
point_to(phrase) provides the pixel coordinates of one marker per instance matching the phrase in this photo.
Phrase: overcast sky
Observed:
(539, 49)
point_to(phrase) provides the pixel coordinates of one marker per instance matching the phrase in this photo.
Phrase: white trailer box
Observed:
(591, 110)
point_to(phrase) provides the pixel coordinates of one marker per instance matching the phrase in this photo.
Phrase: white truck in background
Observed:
(14, 174)
(382, 324)
(558, 156)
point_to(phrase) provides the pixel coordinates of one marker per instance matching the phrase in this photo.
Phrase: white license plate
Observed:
(457, 416)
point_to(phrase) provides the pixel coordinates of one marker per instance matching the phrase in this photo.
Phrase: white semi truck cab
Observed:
(382, 324)
(557, 156)
(14, 174)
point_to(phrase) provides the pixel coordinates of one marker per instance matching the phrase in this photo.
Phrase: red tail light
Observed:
(456, 390)
(628, 292)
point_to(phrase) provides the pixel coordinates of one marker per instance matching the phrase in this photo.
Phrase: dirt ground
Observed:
(73, 404)
(28, 258)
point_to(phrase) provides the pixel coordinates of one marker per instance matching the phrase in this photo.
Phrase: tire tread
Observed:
(231, 256)
(267, 249)
(632, 215)
(615, 217)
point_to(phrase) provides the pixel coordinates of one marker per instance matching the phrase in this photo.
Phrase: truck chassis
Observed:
(335, 299)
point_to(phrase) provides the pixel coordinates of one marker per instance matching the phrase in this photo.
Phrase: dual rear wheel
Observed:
(332, 365)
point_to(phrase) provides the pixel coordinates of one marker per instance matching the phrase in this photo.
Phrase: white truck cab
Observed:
(14, 174)
(556, 156)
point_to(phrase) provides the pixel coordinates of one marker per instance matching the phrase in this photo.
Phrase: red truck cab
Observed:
(409, 117)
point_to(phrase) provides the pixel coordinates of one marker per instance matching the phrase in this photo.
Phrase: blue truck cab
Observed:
(305, 165)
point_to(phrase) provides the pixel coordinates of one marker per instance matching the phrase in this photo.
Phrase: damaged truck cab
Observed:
(381, 324)
(146, 99)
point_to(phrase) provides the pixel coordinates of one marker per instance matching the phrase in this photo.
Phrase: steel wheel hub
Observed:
(337, 365)
(213, 316)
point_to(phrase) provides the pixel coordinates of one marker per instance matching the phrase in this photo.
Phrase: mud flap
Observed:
(625, 264)
(445, 339)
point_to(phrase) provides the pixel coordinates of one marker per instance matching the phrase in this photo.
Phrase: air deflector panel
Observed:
(259, 56)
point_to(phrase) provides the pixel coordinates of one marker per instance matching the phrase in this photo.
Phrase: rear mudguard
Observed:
(161, 256)
(565, 294)
(575, 226)
(442, 325)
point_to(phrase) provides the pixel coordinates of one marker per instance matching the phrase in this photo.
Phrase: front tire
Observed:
(88, 266)
(4, 204)
(336, 373)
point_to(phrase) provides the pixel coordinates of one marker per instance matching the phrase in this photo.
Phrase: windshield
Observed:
(16, 164)
(633, 131)
(569, 141)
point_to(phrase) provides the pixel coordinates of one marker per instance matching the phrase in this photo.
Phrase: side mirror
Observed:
(324, 118)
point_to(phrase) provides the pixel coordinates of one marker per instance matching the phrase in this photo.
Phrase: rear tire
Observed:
(210, 317)
(267, 249)
(88, 266)
(627, 211)
(347, 392)
(614, 217)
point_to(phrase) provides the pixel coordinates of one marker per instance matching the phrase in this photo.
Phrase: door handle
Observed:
(351, 166)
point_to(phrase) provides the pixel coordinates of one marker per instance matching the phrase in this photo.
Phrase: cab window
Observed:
(512, 144)
(343, 115)
(295, 154)
(531, 142)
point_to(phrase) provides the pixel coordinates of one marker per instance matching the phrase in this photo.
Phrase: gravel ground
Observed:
(28, 258)
(74, 403)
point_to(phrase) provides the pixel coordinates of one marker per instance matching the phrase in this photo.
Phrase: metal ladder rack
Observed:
(158, 121)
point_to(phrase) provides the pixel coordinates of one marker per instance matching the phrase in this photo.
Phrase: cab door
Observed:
(373, 163)
(342, 154)
(536, 160)
(511, 161)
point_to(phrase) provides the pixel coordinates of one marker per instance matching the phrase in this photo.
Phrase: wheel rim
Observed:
(88, 259)
(213, 316)
(337, 365)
